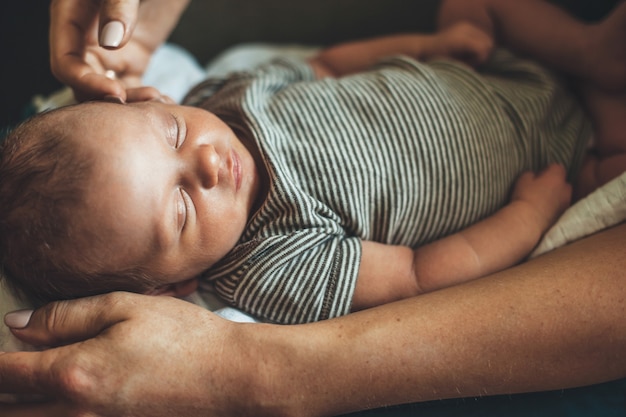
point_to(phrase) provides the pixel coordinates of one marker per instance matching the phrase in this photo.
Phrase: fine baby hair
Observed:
(43, 177)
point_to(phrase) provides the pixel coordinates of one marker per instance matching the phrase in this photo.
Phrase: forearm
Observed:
(495, 243)
(551, 323)
(352, 57)
(464, 42)
(535, 28)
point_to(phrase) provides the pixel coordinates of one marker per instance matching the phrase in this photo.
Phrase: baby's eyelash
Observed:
(182, 209)
(178, 139)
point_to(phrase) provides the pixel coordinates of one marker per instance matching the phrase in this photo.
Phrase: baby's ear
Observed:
(176, 289)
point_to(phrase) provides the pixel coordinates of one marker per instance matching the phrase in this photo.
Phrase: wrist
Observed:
(267, 364)
(429, 46)
(532, 219)
(299, 370)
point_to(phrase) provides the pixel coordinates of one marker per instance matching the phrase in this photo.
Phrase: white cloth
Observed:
(603, 208)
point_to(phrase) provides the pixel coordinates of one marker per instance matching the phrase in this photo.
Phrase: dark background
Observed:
(24, 38)
(25, 72)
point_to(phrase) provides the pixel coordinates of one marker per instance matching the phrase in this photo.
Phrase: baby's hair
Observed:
(44, 253)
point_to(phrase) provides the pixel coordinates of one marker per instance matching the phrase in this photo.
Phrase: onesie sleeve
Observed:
(302, 277)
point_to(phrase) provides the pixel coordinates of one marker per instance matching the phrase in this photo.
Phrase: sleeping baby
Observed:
(302, 191)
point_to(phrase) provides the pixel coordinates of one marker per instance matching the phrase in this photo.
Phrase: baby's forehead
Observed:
(61, 117)
(96, 119)
(79, 119)
(85, 109)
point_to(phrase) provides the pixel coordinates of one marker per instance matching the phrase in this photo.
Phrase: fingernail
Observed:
(113, 99)
(112, 34)
(110, 74)
(18, 319)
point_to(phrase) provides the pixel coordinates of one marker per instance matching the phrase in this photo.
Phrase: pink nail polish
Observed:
(112, 34)
(18, 319)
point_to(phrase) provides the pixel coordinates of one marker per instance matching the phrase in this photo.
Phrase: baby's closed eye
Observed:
(182, 207)
(176, 134)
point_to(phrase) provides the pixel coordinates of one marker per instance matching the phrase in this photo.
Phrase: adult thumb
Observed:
(64, 322)
(117, 22)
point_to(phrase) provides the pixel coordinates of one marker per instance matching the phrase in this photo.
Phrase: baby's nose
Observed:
(208, 166)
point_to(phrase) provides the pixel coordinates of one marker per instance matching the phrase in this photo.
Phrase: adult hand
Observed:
(122, 354)
(101, 48)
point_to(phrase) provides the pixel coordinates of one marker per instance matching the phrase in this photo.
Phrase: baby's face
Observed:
(173, 187)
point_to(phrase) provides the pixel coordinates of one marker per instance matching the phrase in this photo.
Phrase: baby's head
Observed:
(101, 197)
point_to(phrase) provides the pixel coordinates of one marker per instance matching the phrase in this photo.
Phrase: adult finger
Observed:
(33, 410)
(117, 22)
(94, 86)
(72, 31)
(146, 94)
(25, 373)
(69, 32)
(86, 83)
(66, 322)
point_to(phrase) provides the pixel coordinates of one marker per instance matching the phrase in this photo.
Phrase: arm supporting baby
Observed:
(389, 273)
(558, 316)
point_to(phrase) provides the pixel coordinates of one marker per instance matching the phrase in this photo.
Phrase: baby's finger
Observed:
(117, 22)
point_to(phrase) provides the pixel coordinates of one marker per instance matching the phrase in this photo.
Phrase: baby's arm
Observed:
(495, 243)
(463, 41)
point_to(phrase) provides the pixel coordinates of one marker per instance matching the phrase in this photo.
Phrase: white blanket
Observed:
(174, 71)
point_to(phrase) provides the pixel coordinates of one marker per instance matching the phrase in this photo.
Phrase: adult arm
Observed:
(463, 41)
(89, 38)
(550, 323)
(390, 273)
(553, 322)
(543, 31)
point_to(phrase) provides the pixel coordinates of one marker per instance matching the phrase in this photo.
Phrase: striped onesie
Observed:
(404, 153)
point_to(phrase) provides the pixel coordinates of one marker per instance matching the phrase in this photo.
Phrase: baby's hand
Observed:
(547, 194)
(467, 43)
